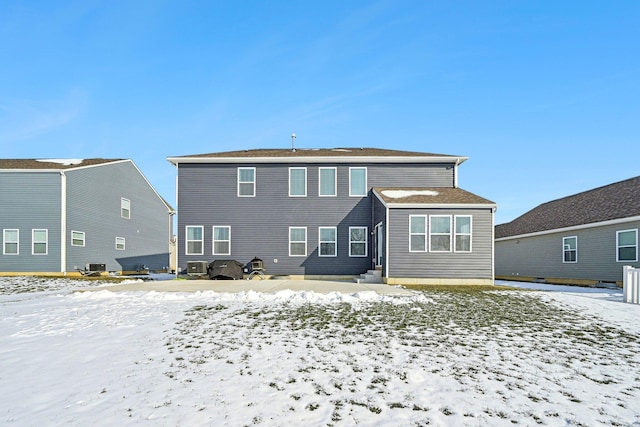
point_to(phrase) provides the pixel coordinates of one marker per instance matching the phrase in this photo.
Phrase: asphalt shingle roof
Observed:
(316, 152)
(60, 164)
(430, 195)
(613, 201)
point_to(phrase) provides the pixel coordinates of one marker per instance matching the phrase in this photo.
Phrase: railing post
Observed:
(631, 284)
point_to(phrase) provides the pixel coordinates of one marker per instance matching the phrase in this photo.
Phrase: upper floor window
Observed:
(328, 241)
(11, 240)
(440, 233)
(297, 241)
(246, 182)
(194, 242)
(120, 243)
(297, 182)
(77, 238)
(358, 181)
(462, 233)
(417, 233)
(125, 208)
(358, 241)
(327, 182)
(627, 244)
(570, 249)
(40, 240)
(222, 240)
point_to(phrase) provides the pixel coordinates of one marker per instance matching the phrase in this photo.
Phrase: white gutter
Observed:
(439, 205)
(321, 159)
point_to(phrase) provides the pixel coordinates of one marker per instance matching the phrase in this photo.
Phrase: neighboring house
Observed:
(582, 239)
(58, 216)
(335, 213)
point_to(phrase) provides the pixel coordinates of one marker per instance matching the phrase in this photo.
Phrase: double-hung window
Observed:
(570, 249)
(440, 233)
(11, 240)
(194, 242)
(357, 181)
(297, 182)
(125, 208)
(327, 182)
(246, 182)
(417, 233)
(297, 241)
(120, 243)
(221, 240)
(462, 237)
(357, 241)
(328, 241)
(77, 238)
(627, 245)
(39, 241)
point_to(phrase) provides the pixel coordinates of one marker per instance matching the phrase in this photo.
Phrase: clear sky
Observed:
(542, 96)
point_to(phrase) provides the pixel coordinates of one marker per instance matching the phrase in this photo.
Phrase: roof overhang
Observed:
(432, 205)
(321, 159)
(570, 229)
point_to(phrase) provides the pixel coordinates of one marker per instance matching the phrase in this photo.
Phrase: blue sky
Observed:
(542, 96)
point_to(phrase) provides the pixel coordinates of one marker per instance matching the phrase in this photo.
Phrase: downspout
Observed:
(386, 266)
(493, 245)
(63, 223)
(455, 174)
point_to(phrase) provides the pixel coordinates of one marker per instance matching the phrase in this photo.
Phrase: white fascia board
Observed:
(320, 159)
(573, 228)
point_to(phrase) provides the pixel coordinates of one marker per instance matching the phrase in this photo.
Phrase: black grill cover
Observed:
(227, 269)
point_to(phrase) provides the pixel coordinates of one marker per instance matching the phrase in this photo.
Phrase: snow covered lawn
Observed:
(302, 358)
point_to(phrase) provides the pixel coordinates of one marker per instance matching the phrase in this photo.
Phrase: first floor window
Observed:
(77, 238)
(440, 233)
(297, 241)
(328, 241)
(11, 239)
(357, 182)
(570, 249)
(120, 243)
(39, 241)
(297, 182)
(627, 244)
(222, 240)
(463, 233)
(125, 208)
(358, 241)
(246, 182)
(194, 240)
(417, 233)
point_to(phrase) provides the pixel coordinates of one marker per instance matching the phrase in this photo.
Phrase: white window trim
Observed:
(366, 242)
(455, 233)
(124, 201)
(124, 243)
(335, 242)
(298, 241)
(426, 234)
(33, 241)
(247, 182)
(366, 183)
(186, 240)
(335, 182)
(565, 249)
(213, 229)
(83, 238)
(635, 230)
(305, 182)
(451, 232)
(4, 241)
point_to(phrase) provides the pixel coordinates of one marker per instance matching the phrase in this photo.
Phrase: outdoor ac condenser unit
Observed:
(197, 268)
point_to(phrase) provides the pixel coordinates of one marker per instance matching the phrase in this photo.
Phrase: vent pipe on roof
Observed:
(293, 142)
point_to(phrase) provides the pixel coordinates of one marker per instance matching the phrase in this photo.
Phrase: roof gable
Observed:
(613, 201)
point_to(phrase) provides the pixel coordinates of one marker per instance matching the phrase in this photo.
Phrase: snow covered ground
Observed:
(560, 356)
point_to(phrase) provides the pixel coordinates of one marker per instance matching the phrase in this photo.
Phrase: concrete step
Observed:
(371, 276)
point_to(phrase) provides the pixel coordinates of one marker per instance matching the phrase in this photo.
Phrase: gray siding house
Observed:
(583, 239)
(58, 216)
(335, 213)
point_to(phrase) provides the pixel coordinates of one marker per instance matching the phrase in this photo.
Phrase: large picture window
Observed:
(11, 241)
(462, 233)
(417, 233)
(570, 249)
(327, 179)
(246, 182)
(222, 240)
(40, 241)
(440, 233)
(194, 240)
(357, 241)
(357, 182)
(297, 241)
(627, 245)
(297, 182)
(328, 241)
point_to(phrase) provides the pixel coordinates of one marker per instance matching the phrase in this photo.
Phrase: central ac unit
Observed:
(197, 268)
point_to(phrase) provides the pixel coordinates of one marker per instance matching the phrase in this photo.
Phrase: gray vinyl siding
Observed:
(468, 265)
(541, 256)
(93, 207)
(31, 201)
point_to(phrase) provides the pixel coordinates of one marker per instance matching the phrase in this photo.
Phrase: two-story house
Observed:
(334, 213)
(58, 216)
